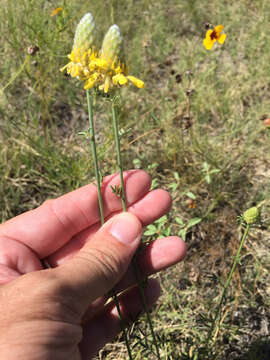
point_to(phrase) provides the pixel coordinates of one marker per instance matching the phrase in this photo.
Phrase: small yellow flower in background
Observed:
(104, 69)
(213, 35)
(56, 11)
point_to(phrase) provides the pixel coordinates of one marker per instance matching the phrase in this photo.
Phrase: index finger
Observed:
(50, 226)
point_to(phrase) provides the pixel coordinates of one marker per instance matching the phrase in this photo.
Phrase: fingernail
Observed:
(126, 228)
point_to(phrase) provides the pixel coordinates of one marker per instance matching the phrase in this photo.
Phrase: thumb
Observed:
(101, 262)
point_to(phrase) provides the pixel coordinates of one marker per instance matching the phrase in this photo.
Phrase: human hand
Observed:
(62, 312)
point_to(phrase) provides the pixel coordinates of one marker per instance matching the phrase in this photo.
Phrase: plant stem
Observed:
(100, 203)
(94, 153)
(119, 159)
(124, 206)
(139, 281)
(215, 322)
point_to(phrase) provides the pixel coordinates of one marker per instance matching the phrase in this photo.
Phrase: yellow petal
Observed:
(218, 29)
(74, 71)
(137, 82)
(222, 38)
(119, 79)
(72, 56)
(208, 43)
(64, 67)
(107, 84)
(91, 82)
(88, 85)
(208, 34)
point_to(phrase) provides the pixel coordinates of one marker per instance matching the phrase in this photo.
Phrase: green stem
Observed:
(141, 289)
(215, 322)
(94, 153)
(119, 159)
(97, 173)
(124, 206)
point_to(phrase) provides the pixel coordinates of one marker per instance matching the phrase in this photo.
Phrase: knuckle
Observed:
(108, 266)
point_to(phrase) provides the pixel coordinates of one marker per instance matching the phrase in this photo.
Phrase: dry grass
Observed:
(168, 133)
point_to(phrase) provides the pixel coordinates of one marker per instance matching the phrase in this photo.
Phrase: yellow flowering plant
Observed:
(105, 69)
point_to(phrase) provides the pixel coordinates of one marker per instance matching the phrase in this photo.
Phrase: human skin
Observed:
(62, 312)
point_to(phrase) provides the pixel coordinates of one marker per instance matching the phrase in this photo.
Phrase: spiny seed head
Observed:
(112, 46)
(251, 215)
(85, 33)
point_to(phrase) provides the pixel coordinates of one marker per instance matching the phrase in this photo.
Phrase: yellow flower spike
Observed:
(83, 51)
(214, 35)
(137, 82)
(105, 69)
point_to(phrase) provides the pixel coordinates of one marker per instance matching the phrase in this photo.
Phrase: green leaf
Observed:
(167, 232)
(214, 171)
(154, 184)
(205, 166)
(149, 232)
(137, 163)
(191, 195)
(208, 179)
(152, 166)
(193, 222)
(173, 186)
(179, 221)
(182, 233)
(151, 228)
(163, 219)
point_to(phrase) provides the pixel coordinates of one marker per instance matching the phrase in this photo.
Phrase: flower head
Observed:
(251, 215)
(78, 67)
(109, 69)
(56, 11)
(83, 51)
(105, 69)
(213, 35)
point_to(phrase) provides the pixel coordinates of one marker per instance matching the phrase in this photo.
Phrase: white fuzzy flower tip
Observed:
(85, 33)
(112, 45)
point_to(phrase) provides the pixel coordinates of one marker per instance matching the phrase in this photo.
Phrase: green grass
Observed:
(41, 155)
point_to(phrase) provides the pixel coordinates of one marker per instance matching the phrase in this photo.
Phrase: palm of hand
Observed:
(64, 325)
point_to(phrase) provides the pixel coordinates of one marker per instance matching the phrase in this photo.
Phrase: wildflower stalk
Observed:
(119, 159)
(100, 203)
(216, 321)
(94, 153)
(124, 206)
